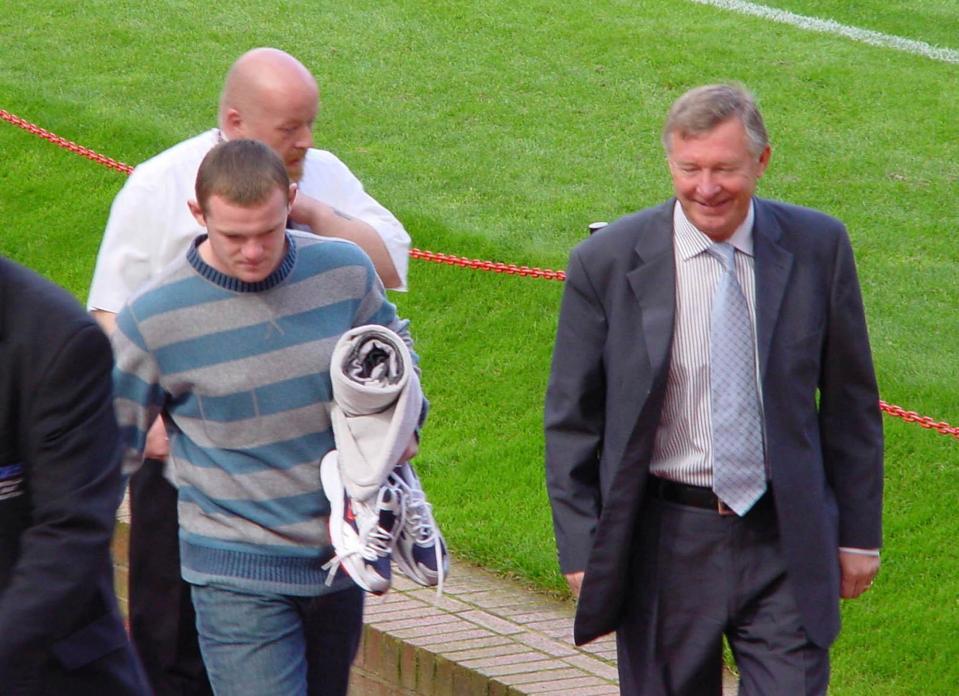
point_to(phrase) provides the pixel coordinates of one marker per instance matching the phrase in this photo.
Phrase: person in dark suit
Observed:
(60, 628)
(713, 434)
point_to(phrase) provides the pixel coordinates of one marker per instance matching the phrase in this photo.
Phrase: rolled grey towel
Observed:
(376, 406)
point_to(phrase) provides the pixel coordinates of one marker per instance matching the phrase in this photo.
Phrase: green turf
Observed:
(499, 130)
(930, 21)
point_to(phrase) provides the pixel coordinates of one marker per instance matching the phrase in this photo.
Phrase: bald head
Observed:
(270, 96)
(260, 74)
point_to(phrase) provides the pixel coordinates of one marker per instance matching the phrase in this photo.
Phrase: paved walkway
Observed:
(485, 637)
(123, 512)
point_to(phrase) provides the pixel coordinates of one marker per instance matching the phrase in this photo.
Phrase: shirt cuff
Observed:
(860, 552)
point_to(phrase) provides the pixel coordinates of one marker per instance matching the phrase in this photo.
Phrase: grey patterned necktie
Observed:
(739, 474)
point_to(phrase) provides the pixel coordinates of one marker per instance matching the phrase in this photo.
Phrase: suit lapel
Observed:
(653, 281)
(772, 268)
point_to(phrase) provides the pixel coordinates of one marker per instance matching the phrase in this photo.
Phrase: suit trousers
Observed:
(697, 576)
(162, 620)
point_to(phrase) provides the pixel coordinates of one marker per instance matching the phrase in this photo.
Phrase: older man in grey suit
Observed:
(714, 442)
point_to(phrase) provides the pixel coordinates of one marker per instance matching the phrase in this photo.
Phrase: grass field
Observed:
(498, 130)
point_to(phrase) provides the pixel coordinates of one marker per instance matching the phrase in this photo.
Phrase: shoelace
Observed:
(419, 516)
(379, 543)
(332, 567)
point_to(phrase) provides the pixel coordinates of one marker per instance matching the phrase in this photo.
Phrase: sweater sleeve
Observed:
(375, 308)
(138, 396)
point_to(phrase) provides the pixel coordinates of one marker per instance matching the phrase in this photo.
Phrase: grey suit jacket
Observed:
(607, 384)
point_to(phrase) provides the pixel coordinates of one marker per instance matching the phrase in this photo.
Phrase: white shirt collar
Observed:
(690, 241)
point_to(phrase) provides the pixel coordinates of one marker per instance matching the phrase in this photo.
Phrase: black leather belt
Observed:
(683, 494)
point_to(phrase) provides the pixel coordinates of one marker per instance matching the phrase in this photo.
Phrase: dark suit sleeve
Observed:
(72, 460)
(575, 418)
(850, 420)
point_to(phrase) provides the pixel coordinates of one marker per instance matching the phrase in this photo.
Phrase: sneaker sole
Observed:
(339, 531)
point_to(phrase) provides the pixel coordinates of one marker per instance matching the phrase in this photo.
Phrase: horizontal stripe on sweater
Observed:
(259, 485)
(334, 286)
(221, 531)
(256, 339)
(238, 460)
(274, 512)
(284, 395)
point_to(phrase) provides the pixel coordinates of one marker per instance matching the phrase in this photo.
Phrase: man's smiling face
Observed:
(715, 175)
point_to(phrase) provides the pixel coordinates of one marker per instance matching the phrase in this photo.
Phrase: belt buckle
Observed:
(723, 509)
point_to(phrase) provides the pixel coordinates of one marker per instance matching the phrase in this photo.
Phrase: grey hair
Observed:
(701, 109)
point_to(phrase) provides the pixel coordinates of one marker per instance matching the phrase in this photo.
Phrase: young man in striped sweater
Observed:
(233, 343)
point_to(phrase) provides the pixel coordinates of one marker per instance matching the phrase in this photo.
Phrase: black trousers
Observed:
(162, 620)
(698, 576)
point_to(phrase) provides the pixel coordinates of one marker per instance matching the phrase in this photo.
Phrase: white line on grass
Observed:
(828, 26)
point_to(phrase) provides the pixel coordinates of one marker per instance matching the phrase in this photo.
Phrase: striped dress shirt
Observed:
(683, 448)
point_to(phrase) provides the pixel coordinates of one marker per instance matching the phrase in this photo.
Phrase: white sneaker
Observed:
(363, 535)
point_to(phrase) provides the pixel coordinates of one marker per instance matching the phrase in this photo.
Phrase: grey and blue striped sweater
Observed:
(242, 372)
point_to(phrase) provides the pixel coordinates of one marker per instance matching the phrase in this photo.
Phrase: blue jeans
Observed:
(259, 643)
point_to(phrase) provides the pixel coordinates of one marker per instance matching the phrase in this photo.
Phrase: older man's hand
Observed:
(575, 582)
(858, 572)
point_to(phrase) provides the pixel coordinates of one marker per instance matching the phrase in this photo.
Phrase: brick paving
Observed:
(123, 513)
(486, 636)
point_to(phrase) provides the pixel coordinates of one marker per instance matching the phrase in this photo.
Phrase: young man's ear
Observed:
(293, 190)
(197, 212)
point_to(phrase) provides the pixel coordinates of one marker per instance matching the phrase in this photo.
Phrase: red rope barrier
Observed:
(64, 143)
(941, 427)
(495, 267)
(926, 422)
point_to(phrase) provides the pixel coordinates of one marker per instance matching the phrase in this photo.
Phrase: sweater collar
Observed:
(233, 284)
